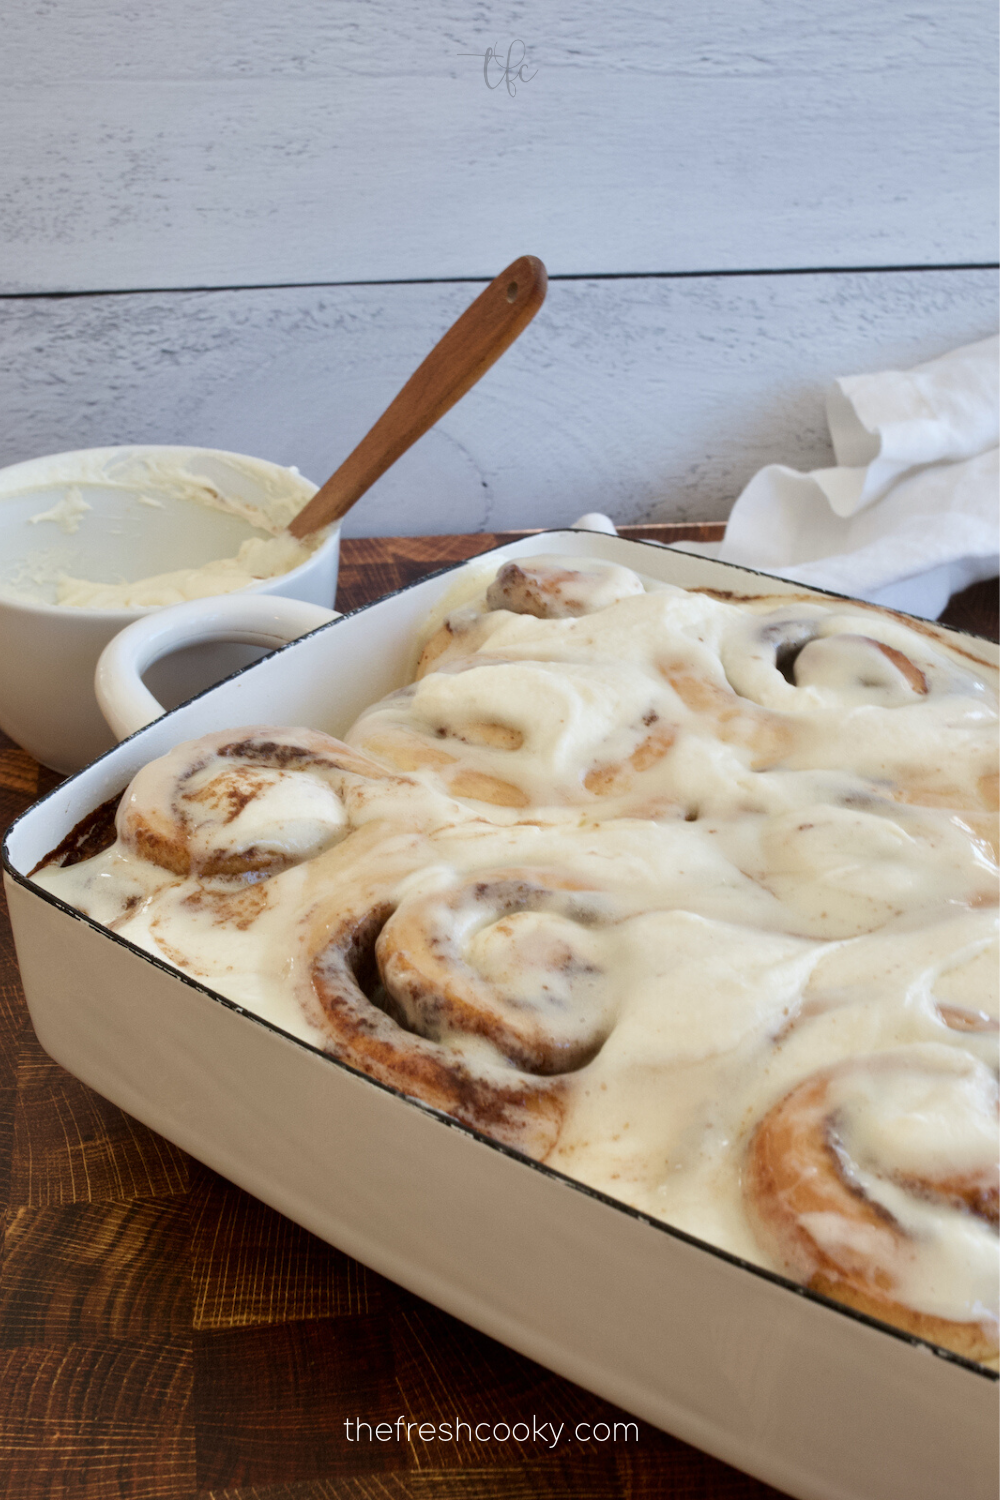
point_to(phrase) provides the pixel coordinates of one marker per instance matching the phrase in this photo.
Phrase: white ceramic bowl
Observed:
(823, 1403)
(137, 525)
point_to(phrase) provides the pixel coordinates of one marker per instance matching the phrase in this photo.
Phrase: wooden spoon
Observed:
(468, 349)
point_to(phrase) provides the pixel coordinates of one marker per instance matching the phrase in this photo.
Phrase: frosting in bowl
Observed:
(126, 529)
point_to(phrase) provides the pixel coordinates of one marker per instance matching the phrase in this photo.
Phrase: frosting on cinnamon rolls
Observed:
(876, 1183)
(246, 803)
(689, 896)
(363, 981)
(508, 956)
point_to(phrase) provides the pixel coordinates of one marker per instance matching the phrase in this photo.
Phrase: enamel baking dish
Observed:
(814, 1399)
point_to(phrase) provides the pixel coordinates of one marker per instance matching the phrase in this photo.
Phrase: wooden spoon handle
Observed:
(456, 362)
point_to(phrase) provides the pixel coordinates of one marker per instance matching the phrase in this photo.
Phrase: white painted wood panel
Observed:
(653, 398)
(246, 143)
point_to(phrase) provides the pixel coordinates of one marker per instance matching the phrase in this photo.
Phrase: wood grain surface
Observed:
(164, 1336)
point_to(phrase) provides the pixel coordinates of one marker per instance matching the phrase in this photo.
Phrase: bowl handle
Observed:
(256, 619)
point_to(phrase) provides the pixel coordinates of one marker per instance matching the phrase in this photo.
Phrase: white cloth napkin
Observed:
(909, 515)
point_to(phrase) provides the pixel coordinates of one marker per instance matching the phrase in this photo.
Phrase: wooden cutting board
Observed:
(164, 1336)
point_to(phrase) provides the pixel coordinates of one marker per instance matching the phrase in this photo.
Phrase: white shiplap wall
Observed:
(651, 399)
(189, 145)
(282, 152)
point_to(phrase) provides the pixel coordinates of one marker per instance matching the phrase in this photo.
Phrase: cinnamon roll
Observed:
(844, 660)
(476, 999)
(516, 734)
(875, 1183)
(503, 955)
(552, 589)
(243, 803)
(545, 588)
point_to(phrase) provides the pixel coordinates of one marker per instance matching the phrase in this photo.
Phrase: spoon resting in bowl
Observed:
(472, 344)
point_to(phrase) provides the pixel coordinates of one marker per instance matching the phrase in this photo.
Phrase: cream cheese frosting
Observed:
(257, 558)
(741, 875)
(99, 487)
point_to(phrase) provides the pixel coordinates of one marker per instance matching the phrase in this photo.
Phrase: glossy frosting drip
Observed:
(626, 877)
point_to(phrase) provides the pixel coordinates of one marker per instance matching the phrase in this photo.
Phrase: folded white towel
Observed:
(909, 515)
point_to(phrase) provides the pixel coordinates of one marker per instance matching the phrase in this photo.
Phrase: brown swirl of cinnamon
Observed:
(216, 806)
(478, 999)
(556, 591)
(545, 588)
(811, 1207)
(835, 654)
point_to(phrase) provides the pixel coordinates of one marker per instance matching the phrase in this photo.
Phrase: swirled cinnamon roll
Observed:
(243, 803)
(545, 588)
(475, 999)
(505, 956)
(847, 659)
(875, 1183)
(871, 693)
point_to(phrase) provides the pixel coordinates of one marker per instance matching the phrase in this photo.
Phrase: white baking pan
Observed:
(819, 1401)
